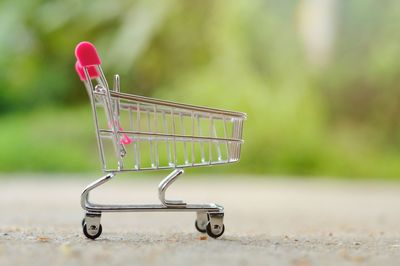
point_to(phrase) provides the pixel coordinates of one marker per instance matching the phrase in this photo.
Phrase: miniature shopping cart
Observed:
(136, 133)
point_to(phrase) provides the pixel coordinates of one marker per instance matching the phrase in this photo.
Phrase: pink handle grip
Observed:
(86, 54)
(125, 139)
(93, 73)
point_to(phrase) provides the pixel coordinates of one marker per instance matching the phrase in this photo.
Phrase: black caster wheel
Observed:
(199, 229)
(93, 237)
(210, 232)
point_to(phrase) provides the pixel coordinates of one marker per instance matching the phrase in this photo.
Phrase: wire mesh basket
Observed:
(151, 134)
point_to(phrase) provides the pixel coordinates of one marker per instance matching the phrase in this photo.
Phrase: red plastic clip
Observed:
(93, 73)
(86, 54)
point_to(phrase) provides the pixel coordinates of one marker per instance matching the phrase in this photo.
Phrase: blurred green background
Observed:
(319, 79)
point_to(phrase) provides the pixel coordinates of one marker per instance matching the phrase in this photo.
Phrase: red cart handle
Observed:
(93, 73)
(86, 54)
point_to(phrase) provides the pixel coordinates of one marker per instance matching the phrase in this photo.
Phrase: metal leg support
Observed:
(209, 217)
(163, 186)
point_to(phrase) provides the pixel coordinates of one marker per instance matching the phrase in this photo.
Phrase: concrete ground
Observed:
(272, 221)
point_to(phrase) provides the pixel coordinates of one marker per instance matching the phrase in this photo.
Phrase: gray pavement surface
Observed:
(272, 221)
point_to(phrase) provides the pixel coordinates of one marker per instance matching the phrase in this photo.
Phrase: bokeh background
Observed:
(319, 79)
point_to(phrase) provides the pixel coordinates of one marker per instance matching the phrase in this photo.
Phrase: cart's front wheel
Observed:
(215, 232)
(92, 232)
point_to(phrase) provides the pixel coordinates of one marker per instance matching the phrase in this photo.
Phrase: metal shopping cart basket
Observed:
(136, 133)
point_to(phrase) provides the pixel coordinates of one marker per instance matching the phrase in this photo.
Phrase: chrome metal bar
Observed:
(171, 136)
(116, 88)
(227, 143)
(173, 133)
(210, 208)
(210, 143)
(164, 122)
(183, 129)
(201, 144)
(88, 88)
(232, 143)
(163, 186)
(156, 142)
(138, 159)
(119, 147)
(236, 135)
(131, 126)
(217, 145)
(102, 76)
(171, 206)
(110, 118)
(150, 139)
(176, 105)
(89, 84)
(170, 167)
(192, 138)
(85, 193)
(240, 136)
(129, 104)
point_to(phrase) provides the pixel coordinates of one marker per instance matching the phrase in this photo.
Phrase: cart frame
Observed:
(210, 216)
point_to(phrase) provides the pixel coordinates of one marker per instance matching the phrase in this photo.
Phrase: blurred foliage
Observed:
(334, 119)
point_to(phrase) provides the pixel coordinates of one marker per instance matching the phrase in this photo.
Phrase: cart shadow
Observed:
(241, 240)
(150, 239)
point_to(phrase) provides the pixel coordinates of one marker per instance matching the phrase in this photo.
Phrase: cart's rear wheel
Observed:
(200, 228)
(212, 232)
(96, 235)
